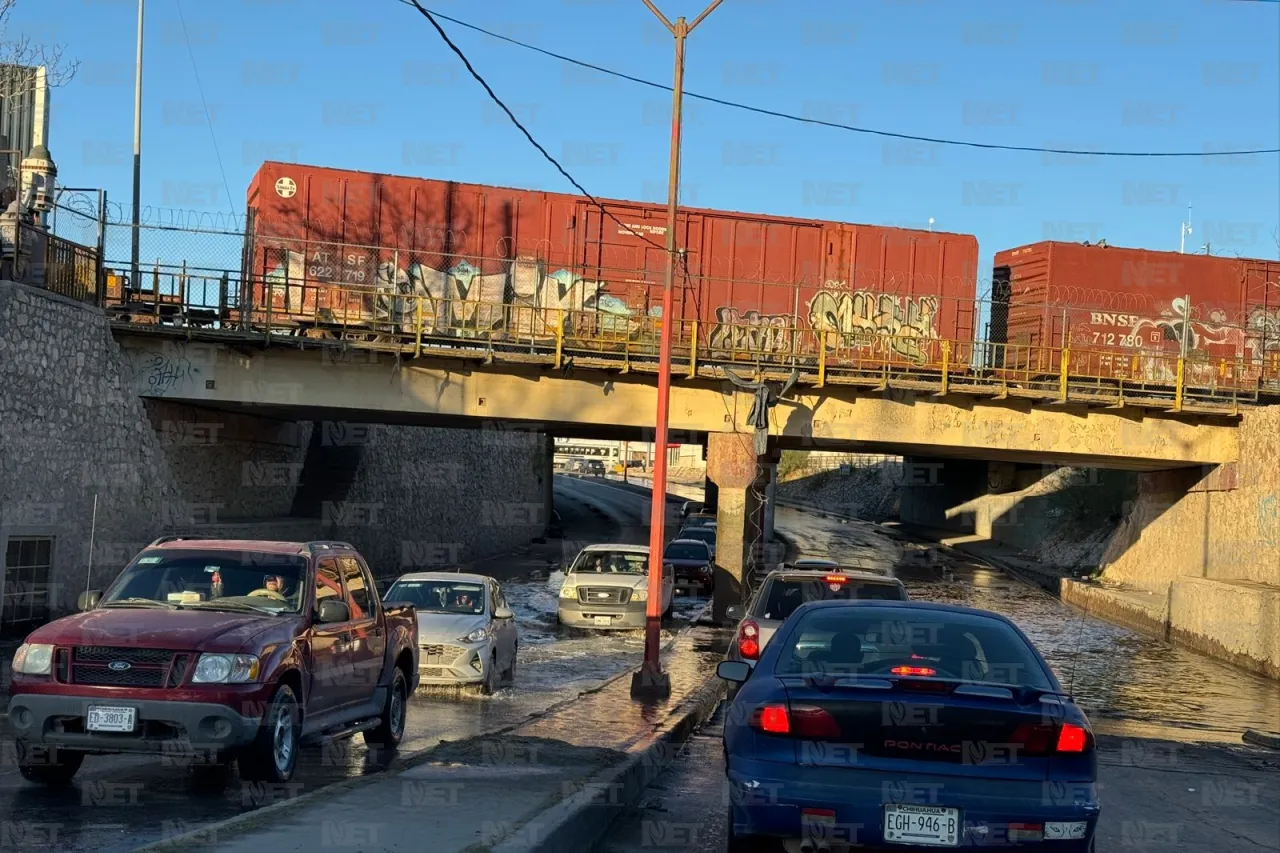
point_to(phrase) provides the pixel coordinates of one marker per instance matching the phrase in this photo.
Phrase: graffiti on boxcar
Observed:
(865, 319)
(751, 331)
(1264, 331)
(524, 300)
(1260, 334)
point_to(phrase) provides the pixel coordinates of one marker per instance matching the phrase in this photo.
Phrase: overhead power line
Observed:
(204, 103)
(529, 136)
(832, 124)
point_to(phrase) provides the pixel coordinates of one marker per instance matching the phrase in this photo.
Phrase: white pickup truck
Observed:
(607, 587)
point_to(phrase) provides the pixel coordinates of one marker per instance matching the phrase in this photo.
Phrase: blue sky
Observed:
(370, 85)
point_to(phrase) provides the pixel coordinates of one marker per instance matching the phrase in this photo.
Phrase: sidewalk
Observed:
(551, 784)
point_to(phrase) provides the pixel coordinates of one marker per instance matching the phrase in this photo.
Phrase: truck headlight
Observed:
(225, 669)
(33, 659)
(641, 594)
(569, 590)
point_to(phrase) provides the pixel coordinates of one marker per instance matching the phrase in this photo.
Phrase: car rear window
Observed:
(687, 551)
(783, 596)
(873, 641)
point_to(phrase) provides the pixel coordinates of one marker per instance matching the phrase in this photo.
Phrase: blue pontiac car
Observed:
(905, 725)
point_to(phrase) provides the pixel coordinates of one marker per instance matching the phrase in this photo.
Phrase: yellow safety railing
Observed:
(421, 324)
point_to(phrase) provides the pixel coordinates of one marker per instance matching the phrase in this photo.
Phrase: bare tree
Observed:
(20, 55)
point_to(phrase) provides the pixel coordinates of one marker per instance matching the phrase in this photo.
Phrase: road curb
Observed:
(1253, 737)
(581, 820)
(209, 835)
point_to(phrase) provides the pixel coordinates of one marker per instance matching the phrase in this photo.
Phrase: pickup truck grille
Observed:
(440, 655)
(147, 667)
(603, 595)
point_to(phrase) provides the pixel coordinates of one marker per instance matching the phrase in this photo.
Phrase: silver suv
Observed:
(783, 590)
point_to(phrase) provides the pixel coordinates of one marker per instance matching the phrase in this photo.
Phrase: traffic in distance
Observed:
(846, 698)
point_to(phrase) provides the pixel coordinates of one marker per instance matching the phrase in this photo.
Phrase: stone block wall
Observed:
(72, 428)
(70, 432)
(427, 498)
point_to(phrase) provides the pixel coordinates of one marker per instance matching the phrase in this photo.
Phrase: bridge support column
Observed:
(739, 481)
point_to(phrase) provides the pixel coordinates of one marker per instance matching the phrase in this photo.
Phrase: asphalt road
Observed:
(119, 803)
(1173, 773)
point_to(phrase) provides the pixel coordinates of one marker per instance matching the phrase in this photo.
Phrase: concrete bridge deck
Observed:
(440, 388)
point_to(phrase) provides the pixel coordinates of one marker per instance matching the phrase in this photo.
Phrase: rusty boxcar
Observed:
(1129, 314)
(336, 243)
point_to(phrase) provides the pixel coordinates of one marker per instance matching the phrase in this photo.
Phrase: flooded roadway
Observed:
(119, 803)
(1129, 683)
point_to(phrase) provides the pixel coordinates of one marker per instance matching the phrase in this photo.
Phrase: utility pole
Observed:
(137, 157)
(650, 681)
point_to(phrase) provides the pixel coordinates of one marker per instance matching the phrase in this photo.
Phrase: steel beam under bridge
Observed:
(371, 387)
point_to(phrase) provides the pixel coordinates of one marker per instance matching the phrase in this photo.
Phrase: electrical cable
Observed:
(494, 97)
(207, 117)
(832, 124)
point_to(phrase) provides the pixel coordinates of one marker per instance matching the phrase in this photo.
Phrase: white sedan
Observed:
(466, 632)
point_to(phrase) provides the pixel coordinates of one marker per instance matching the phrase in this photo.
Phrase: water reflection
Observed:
(1128, 682)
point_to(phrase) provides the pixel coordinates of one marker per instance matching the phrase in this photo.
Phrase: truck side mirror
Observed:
(89, 599)
(332, 610)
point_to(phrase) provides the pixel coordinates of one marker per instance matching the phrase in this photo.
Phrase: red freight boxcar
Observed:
(1128, 314)
(343, 241)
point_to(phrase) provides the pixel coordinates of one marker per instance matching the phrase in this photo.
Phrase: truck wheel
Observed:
(390, 730)
(54, 768)
(273, 755)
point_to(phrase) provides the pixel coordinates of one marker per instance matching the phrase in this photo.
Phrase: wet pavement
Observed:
(1129, 683)
(121, 802)
(1173, 774)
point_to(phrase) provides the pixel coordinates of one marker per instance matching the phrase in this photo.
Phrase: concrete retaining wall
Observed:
(72, 428)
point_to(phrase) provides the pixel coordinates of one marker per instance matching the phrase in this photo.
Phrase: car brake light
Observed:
(913, 670)
(801, 721)
(749, 641)
(1072, 738)
(1045, 740)
(836, 579)
(774, 720)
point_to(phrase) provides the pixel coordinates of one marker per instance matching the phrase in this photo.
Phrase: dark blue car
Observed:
(905, 724)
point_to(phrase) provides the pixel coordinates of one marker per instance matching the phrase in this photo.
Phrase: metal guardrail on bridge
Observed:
(497, 332)
(220, 304)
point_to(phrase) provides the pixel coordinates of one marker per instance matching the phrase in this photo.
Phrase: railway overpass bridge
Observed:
(886, 409)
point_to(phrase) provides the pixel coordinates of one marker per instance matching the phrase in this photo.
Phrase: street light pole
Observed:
(650, 681)
(137, 157)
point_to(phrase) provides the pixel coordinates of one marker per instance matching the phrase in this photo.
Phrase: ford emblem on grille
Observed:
(602, 595)
(119, 665)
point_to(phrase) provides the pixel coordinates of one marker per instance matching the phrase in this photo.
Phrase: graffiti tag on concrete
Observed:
(1269, 520)
(158, 373)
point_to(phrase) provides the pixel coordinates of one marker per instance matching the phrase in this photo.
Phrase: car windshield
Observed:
(611, 563)
(783, 596)
(874, 641)
(439, 596)
(696, 521)
(211, 580)
(685, 551)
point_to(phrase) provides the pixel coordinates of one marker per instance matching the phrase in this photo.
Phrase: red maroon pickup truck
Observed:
(220, 650)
